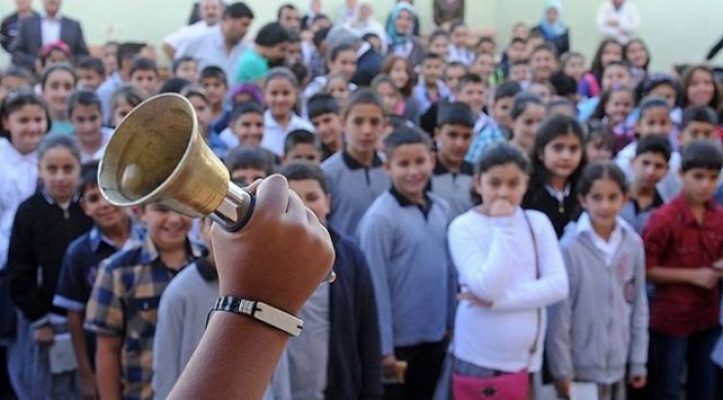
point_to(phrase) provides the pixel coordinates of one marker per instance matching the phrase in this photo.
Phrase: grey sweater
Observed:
(602, 328)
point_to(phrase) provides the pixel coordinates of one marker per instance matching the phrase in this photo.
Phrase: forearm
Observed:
(665, 275)
(228, 339)
(75, 325)
(109, 372)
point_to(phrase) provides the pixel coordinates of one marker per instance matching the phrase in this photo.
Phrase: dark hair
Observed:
(57, 67)
(19, 72)
(500, 154)
(84, 98)
(130, 93)
(370, 35)
(701, 154)
(213, 72)
(456, 23)
(271, 35)
(143, 64)
(597, 68)
(92, 63)
(599, 112)
(405, 135)
(338, 49)
(320, 36)
(468, 78)
(650, 103)
(431, 56)
(601, 170)
(521, 101)
(507, 89)
(50, 142)
(287, 6)
(88, 177)
(518, 40)
(563, 84)
(18, 99)
(389, 62)
(294, 37)
(654, 144)
(185, 59)
(238, 10)
(597, 130)
(381, 79)
(246, 158)
(486, 39)
(655, 80)
(455, 114)
(320, 104)
(640, 42)
(561, 102)
(545, 47)
(302, 170)
(174, 85)
(436, 34)
(192, 90)
(300, 71)
(455, 64)
(243, 109)
(363, 97)
(688, 79)
(282, 73)
(300, 136)
(127, 51)
(550, 129)
(703, 114)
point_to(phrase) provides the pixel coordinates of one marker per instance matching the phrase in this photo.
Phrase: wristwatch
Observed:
(260, 311)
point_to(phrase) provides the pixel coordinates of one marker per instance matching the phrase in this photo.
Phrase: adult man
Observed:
(9, 26)
(221, 45)
(210, 12)
(289, 17)
(49, 26)
(618, 19)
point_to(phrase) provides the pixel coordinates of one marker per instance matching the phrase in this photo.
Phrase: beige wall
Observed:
(676, 31)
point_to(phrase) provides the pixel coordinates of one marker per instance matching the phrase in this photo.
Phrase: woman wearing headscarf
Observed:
(552, 28)
(402, 41)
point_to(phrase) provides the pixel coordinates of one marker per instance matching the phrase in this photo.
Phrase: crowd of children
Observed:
(503, 221)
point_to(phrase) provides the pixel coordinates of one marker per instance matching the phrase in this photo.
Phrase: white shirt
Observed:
(18, 181)
(607, 247)
(496, 262)
(460, 54)
(106, 134)
(49, 28)
(628, 17)
(188, 32)
(275, 134)
(669, 187)
(209, 48)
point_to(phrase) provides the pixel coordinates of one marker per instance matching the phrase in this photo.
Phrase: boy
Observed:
(452, 179)
(338, 358)
(516, 52)
(91, 73)
(650, 166)
(453, 73)
(246, 126)
(301, 144)
(683, 248)
(182, 315)
(123, 305)
(248, 165)
(430, 89)
(213, 80)
(199, 99)
(500, 126)
(698, 123)
(520, 73)
(186, 67)
(323, 112)
(471, 91)
(543, 62)
(125, 55)
(113, 231)
(144, 76)
(403, 236)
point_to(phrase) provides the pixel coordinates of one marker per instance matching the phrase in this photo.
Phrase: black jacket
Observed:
(368, 66)
(27, 43)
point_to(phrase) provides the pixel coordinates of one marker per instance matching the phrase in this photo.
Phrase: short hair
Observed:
(521, 101)
(84, 98)
(177, 62)
(243, 109)
(334, 53)
(545, 47)
(174, 85)
(703, 114)
(19, 72)
(302, 170)
(238, 10)
(518, 40)
(271, 35)
(127, 51)
(287, 6)
(507, 89)
(701, 154)
(363, 97)
(455, 64)
(405, 135)
(431, 57)
(652, 102)
(92, 63)
(597, 130)
(320, 104)
(456, 113)
(561, 102)
(320, 36)
(300, 136)
(143, 64)
(246, 158)
(470, 78)
(88, 177)
(563, 84)
(654, 144)
(213, 72)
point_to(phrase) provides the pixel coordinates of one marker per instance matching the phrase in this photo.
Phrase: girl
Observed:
(84, 109)
(123, 101)
(608, 51)
(552, 27)
(614, 110)
(199, 99)
(44, 226)
(558, 158)
(637, 55)
(527, 113)
(402, 41)
(573, 65)
(666, 87)
(600, 142)
(337, 86)
(700, 88)
(402, 73)
(392, 99)
(439, 44)
(510, 268)
(458, 51)
(600, 333)
(281, 94)
(342, 60)
(57, 83)
(484, 65)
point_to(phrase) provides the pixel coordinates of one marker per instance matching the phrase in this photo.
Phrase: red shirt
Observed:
(674, 239)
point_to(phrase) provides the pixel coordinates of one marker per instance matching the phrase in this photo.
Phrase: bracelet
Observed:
(257, 310)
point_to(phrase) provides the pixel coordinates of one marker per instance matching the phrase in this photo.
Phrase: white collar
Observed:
(363, 49)
(44, 15)
(584, 224)
(13, 156)
(560, 196)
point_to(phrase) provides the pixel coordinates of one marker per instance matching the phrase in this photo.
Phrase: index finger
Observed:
(272, 195)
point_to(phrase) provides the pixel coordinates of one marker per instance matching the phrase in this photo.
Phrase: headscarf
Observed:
(552, 31)
(395, 39)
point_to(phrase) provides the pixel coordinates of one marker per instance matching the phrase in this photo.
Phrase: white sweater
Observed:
(495, 260)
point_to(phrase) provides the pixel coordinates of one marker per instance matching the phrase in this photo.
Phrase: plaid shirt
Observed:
(124, 302)
(487, 133)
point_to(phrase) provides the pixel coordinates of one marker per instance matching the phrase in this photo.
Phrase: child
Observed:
(558, 158)
(453, 73)
(562, 106)
(544, 90)
(699, 123)
(600, 141)
(15, 78)
(202, 106)
(609, 51)
(458, 49)
(452, 179)
(521, 73)
(564, 87)
(439, 45)
(516, 52)
(144, 76)
(349, 322)
(91, 73)
(301, 144)
(112, 231)
(486, 44)
(44, 225)
(616, 74)
(614, 108)
(500, 127)
(700, 87)
(110, 53)
(599, 334)
(355, 175)
(342, 59)
(186, 67)
(509, 269)
(683, 247)
(246, 127)
(394, 103)
(543, 62)
(484, 66)
(213, 81)
(430, 89)
(650, 165)
(324, 112)
(573, 65)
(247, 165)
(84, 109)
(122, 103)
(339, 88)
(403, 235)
(471, 91)
(637, 55)
(527, 113)
(664, 86)
(402, 73)
(57, 83)
(281, 94)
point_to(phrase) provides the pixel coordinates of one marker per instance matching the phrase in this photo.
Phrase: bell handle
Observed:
(236, 209)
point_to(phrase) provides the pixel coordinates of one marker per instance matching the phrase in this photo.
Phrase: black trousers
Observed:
(424, 363)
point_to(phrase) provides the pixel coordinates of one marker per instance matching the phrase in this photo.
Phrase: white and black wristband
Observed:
(260, 311)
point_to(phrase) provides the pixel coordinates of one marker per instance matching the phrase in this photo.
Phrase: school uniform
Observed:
(353, 188)
(454, 187)
(600, 332)
(638, 217)
(275, 133)
(105, 94)
(489, 134)
(422, 98)
(460, 54)
(406, 247)
(560, 207)
(669, 187)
